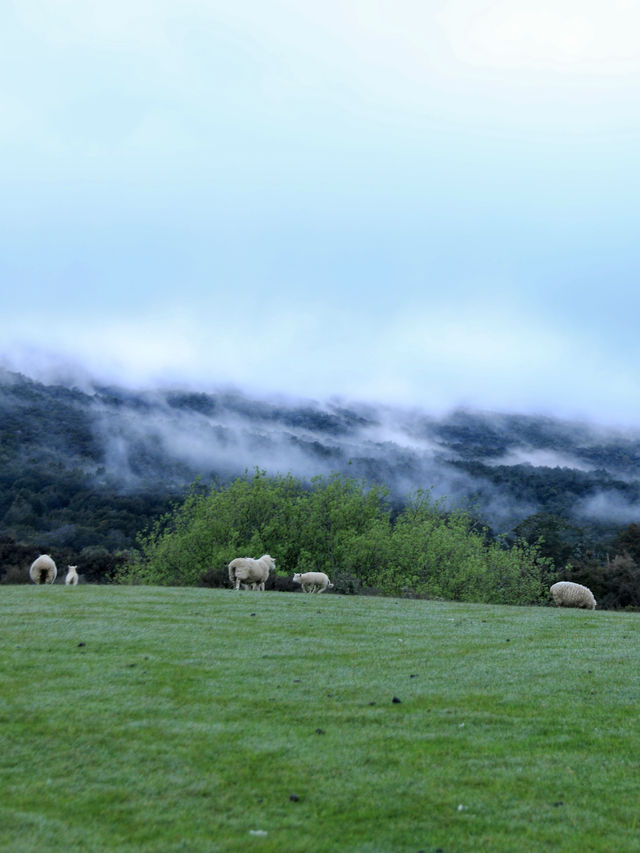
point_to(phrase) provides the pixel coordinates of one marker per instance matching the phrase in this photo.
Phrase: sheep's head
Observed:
(296, 577)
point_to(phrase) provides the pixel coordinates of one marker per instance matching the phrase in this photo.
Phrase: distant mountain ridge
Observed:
(94, 465)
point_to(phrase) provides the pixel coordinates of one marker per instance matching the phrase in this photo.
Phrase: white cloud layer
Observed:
(433, 359)
(588, 36)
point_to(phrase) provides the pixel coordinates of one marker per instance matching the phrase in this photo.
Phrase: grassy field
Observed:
(160, 719)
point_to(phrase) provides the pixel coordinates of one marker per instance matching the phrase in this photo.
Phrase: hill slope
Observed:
(91, 466)
(171, 719)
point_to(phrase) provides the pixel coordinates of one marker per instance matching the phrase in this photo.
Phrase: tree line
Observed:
(359, 535)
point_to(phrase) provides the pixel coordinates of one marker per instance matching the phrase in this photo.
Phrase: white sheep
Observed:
(312, 581)
(247, 571)
(72, 576)
(43, 570)
(568, 594)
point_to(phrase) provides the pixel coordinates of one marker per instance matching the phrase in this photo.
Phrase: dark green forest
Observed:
(86, 473)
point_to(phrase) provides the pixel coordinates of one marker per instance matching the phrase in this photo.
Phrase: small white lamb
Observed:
(312, 581)
(568, 594)
(72, 576)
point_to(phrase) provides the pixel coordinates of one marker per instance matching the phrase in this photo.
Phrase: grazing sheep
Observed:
(43, 570)
(568, 594)
(312, 581)
(247, 571)
(72, 576)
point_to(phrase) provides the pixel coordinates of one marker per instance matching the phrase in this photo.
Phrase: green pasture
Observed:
(164, 719)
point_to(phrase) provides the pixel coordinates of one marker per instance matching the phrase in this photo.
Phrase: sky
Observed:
(428, 203)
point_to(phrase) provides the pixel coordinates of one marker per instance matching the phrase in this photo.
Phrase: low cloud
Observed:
(171, 435)
(184, 434)
(610, 506)
(540, 459)
(436, 360)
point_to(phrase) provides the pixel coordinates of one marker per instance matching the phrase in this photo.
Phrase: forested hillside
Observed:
(84, 469)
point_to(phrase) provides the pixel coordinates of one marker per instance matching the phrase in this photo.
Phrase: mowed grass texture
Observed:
(160, 719)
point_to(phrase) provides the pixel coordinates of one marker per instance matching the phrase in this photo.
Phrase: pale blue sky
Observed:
(429, 203)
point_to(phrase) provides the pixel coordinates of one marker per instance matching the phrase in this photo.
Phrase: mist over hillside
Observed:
(62, 444)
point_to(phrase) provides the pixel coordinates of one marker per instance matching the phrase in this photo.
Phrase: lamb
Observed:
(312, 581)
(247, 571)
(72, 576)
(43, 570)
(568, 594)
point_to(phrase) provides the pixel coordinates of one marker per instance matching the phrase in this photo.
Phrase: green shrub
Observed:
(345, 528)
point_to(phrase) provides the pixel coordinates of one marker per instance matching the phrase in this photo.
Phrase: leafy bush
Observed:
(342, 527)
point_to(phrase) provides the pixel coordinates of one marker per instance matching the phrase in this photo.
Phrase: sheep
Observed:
(43, 570)
(312, 581)
(568, 594)
(72, 576)
(247, 571)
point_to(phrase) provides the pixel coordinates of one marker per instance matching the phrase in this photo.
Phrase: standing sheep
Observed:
(43, 570)
(568, 594)
(72, 576)
(312, 581)
(246, 570)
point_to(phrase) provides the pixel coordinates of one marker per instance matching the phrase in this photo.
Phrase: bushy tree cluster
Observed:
(345, 528)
